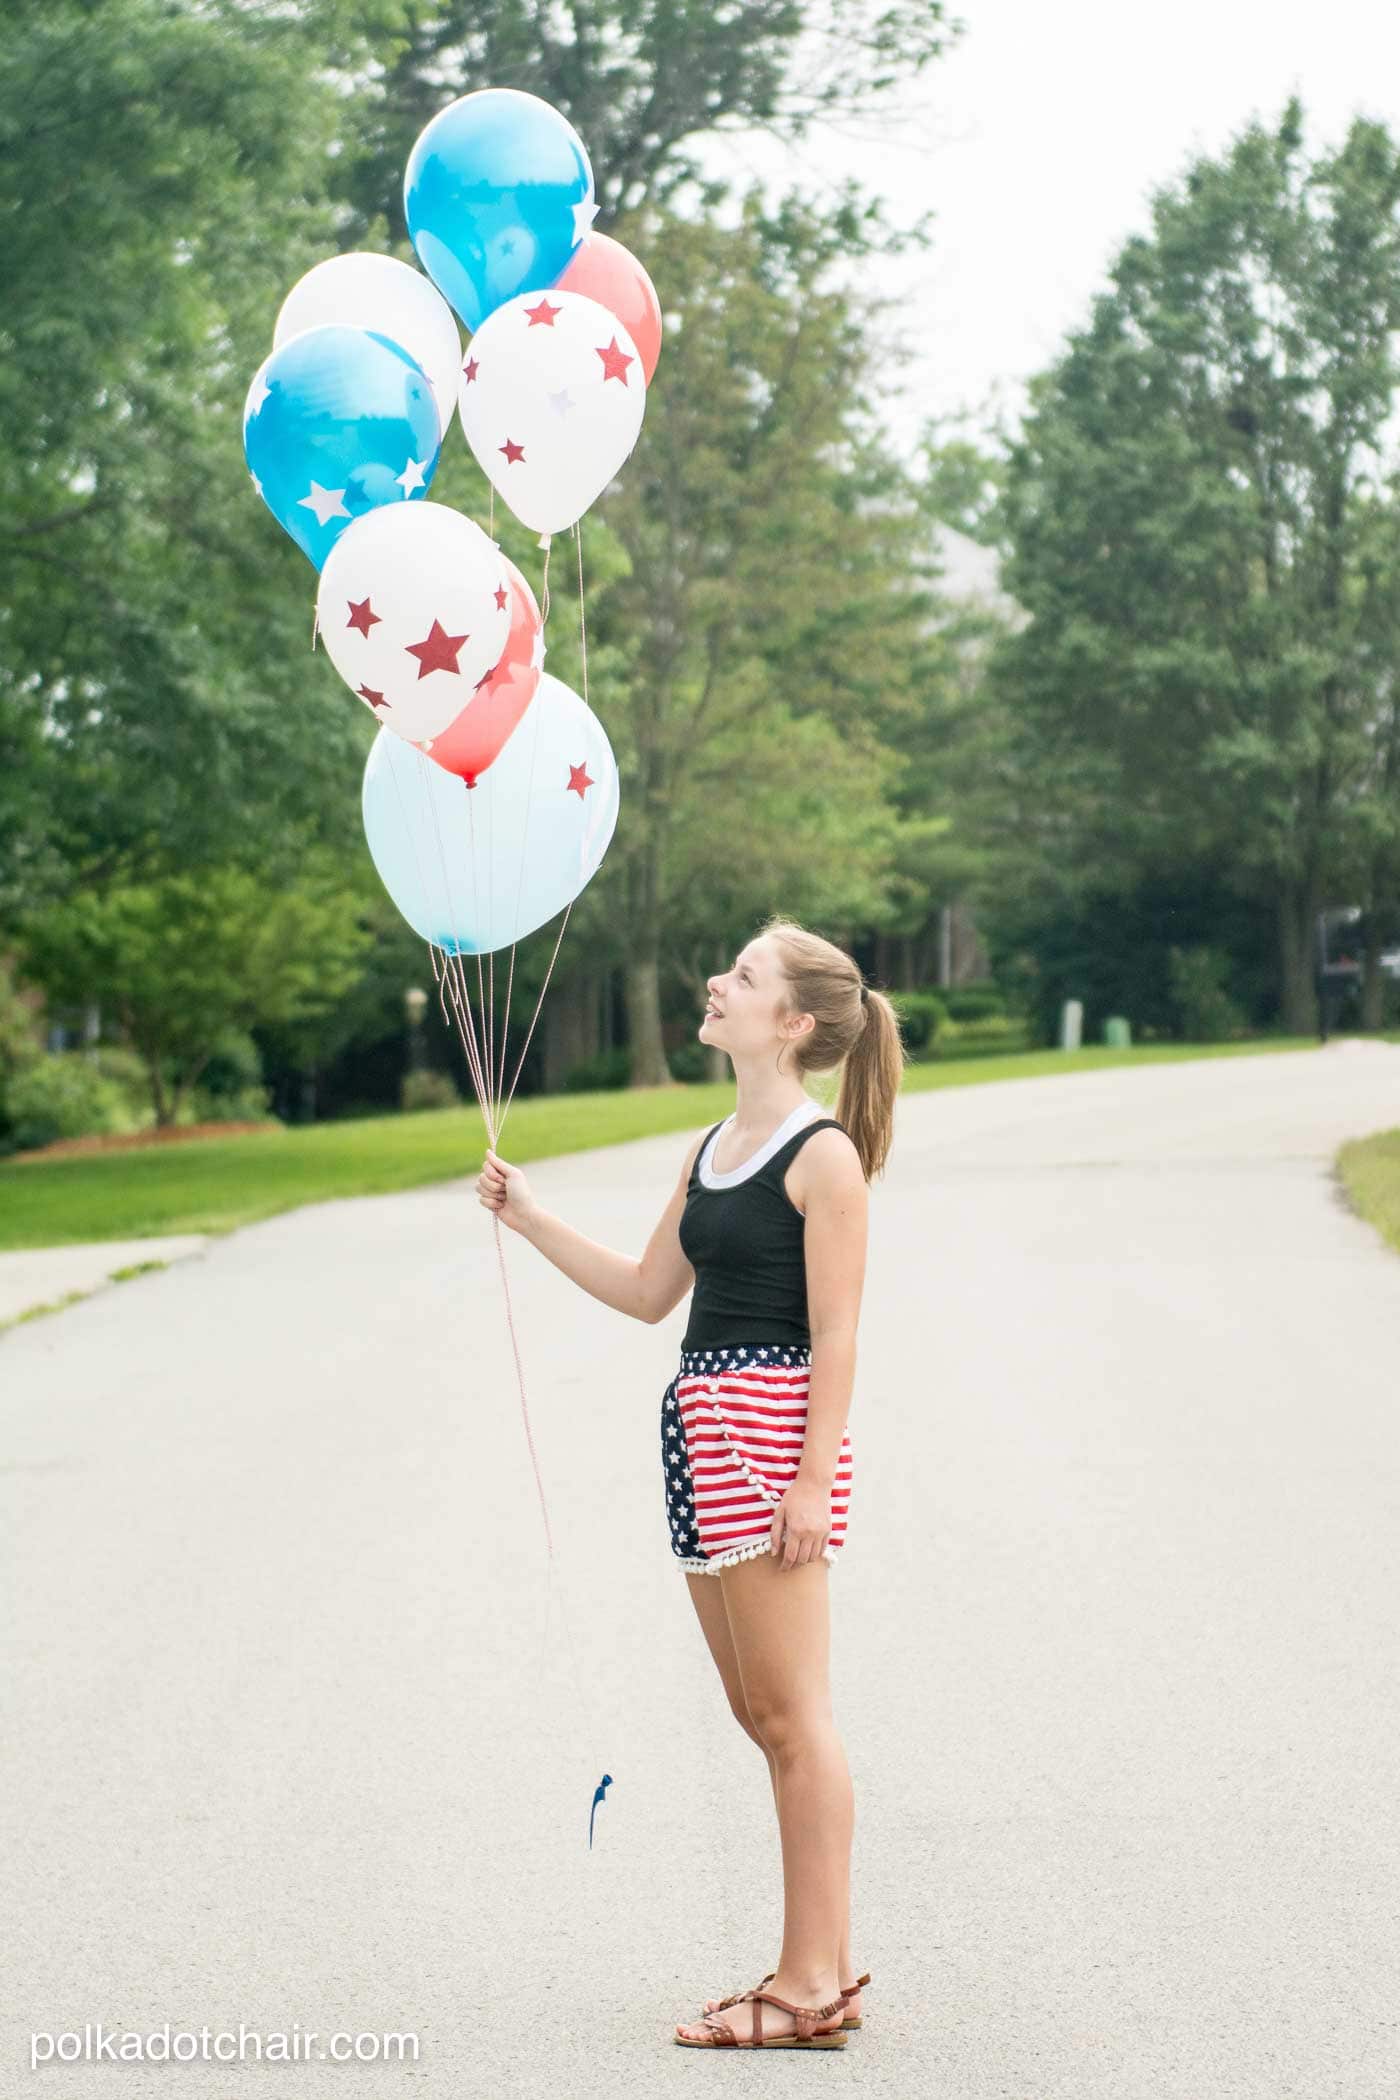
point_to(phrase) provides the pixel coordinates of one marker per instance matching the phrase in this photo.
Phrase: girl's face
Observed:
(744, 1001)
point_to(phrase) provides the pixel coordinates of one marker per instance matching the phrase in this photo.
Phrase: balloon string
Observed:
(448, 994)
(315, 625)
(544, 588)
(492, 513)
(453, 979)
(582, 621)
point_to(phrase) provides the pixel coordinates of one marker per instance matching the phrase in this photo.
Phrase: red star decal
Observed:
(438, 651)
(375, 699)
(579, 780)
(542, 316)
(500, 598)
(512, 451)
(362, 616)
(615, 362)
(470, 370)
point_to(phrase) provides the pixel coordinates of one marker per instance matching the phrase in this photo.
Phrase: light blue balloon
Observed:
(338, 421)
(473, 869)
(498, 195)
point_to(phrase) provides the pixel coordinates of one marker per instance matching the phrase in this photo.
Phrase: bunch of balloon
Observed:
(565, 323)
(490, 792)
(565, 332)
(432, 628)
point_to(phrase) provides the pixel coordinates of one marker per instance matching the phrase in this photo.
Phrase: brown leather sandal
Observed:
(722, 2035)
(851, 2019)
(855, 2019)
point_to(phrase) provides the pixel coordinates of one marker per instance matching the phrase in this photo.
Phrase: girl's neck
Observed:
(761, 1109)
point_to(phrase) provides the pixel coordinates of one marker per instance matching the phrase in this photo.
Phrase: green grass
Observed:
(1370, 1173)
(217, 1184)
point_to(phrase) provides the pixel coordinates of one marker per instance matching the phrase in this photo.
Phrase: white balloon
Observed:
(551, 400)
(474, 869)
(414, 609)
(376, 292)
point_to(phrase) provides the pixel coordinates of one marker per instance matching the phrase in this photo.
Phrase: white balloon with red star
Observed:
(551, 400)
(474, 869)
(413, 608)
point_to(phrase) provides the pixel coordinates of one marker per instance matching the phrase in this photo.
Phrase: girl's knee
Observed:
(746, 1722)
(790, 1728)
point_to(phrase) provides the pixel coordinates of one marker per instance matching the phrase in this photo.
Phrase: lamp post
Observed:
(415, 1002)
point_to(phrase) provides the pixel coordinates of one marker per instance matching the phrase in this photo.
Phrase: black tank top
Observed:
(745, 1244)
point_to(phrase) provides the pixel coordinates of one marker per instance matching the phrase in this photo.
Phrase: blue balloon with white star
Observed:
(498, 195)
(338, 421)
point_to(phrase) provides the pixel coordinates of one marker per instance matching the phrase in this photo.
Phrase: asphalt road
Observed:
(296, 1734)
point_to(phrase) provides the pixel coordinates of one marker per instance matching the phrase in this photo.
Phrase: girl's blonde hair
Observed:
(860, 1035)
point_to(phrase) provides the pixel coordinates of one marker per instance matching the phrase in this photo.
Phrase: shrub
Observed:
(690, 1062)
(126, 1069)
(974, 1002)
(994, 1035)
(63, 1095)
(921, 1016)
(1205, 1011)
(610, 1068)
(428, 1090)
(19, 1031)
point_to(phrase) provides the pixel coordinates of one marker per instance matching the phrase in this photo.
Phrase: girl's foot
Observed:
(852, 2003)
(775, 2020)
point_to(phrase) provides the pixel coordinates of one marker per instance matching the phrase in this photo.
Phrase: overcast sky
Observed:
(1038, 139)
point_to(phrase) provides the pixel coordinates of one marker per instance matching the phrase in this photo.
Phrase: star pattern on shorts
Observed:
(675, 1455)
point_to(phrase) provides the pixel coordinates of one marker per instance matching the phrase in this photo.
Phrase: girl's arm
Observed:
(834, 1243)
(645, 1290)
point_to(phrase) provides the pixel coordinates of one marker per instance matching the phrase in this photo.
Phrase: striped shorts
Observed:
(732, 1428)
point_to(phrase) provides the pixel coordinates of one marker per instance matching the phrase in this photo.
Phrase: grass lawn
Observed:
(217, 1184)
(1370, 1172)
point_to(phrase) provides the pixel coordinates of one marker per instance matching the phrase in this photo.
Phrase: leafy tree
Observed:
(762, 636)
(180, 960)
(641, 80)
(1192, 510)
(160, 167)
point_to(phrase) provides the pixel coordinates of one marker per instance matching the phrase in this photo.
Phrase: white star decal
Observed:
(562, 402)
(585, 212)
(412, 476)
(537, 664)
(327, 503)
(258, 393)
(259, 487)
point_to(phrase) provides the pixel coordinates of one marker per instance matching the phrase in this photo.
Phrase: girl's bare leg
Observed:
(769, 1633)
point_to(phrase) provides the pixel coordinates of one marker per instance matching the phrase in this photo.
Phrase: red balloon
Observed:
(606, 271)
(470, 743)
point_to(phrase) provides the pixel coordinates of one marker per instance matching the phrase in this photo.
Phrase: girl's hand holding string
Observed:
(504, 1190)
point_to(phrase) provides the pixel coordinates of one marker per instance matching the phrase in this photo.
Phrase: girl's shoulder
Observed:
(826, 1159)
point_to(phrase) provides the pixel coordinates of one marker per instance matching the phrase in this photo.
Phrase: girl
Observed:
(768, 1222)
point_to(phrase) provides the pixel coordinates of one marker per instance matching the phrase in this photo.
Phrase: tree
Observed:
(763, 632)
(178, 961)
(1191, 515)
(162, 180)
(641, 80)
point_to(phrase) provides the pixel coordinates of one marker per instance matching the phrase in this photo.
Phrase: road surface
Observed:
(298, 1735)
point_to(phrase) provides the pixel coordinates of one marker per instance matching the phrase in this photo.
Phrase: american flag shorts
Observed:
(733, 1423)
